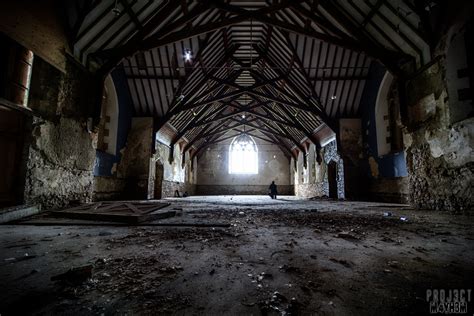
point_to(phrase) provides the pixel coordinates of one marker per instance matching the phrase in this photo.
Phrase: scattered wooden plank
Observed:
(125, 212)
(62, 223)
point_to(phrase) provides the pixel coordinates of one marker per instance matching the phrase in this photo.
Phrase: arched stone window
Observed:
(243, 155)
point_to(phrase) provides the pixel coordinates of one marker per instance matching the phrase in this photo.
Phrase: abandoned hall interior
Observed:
(234, 157)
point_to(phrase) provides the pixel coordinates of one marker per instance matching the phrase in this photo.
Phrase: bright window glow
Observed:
(243, 155)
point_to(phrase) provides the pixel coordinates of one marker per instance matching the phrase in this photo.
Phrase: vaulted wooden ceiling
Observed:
(280, 70)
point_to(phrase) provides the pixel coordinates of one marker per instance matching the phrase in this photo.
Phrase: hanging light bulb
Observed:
(188, 55)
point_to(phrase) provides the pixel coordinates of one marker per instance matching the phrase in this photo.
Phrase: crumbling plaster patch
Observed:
(439, 155)
(320, 185)
(451, 143)
(60, 163)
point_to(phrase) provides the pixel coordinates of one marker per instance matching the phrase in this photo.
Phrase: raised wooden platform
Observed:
(124, 212)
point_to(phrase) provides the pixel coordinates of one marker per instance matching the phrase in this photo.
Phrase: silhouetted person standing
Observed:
(273, 190)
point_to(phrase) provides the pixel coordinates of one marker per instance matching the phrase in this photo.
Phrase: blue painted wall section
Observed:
(105, 161)
(391, 165)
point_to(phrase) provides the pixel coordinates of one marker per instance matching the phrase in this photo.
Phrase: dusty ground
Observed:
(280, 257)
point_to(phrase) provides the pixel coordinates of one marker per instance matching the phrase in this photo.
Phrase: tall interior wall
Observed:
(61, 154)
(439, 151)
(213, 176)
(175, 177)
(59, 150)
(313, 180)
(383, 171)
(132, 174)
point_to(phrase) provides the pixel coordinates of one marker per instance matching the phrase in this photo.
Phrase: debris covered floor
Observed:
(278, 256)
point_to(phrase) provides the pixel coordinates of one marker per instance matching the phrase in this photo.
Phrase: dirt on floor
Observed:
(283, 257)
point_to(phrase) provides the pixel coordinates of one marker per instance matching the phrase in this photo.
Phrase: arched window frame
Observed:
(243, 155)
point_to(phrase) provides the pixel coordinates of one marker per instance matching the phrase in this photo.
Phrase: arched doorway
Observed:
(159, 172)
(332, 179)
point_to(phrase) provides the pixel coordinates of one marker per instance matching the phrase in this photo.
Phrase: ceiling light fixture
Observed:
(188, 55)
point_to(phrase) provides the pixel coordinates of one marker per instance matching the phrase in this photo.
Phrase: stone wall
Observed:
(175, 177)
(309, 190)
(439, 154)
(382, 164)
(350, 136)
(213, 171)
(134, 166)
(61, 151)
(316, 183)
(242, 189)
(108, 188)
(169, 188)
(389, 190)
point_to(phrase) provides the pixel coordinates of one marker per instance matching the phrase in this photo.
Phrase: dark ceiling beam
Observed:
(216, 139)
(282, 145)
(295, 141)
(372, 13)
(248, 123)
(319, 21)
(197, 87)
(177, 36)
(190, 125)
(131, 14)
(220, 117)
(300, 67)
(273, 119)
(313, 109)
(258, 16)
(232, 94)
(306, 132)
(388, 58)
(282, 133)
(115, 55)
(425, 21)
(272, 132)
(336, 78)
(157, 77)
(272, 141)
(73, 32)
(176, 105)
(202, 134)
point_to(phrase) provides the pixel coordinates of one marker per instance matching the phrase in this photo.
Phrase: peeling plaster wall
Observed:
(213, 171)
(61, 154)
(439, 155)
(350, 137)
(107, 186)
(382, 173)
(174, 175)
(318, 184)
(134, 166)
